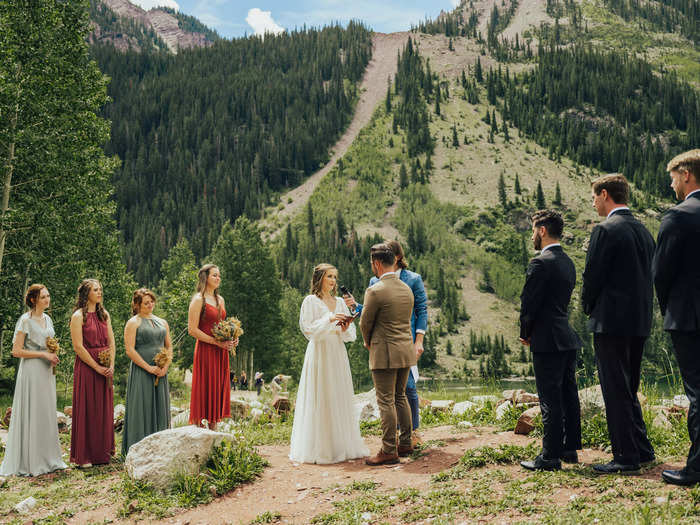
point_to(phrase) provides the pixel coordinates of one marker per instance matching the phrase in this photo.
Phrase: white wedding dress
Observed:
(326, 428)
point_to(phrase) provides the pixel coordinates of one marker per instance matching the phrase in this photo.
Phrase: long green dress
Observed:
(147, 405)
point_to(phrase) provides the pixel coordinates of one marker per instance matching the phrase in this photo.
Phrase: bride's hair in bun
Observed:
(317, 278)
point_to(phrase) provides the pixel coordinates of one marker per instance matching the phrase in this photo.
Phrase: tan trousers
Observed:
(390, 386)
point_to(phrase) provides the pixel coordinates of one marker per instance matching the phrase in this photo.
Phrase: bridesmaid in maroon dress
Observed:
(92, 434)
(211, 387)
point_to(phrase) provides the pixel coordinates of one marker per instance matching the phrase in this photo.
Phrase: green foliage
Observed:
(233, 463)
(481, 456)
(175, 290)
(267, 517)
(540, 203)
(252, 291)
(245, 119)
(111, 25)
(56, 218)
(191, 24)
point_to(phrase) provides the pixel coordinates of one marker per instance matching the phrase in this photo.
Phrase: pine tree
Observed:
(506, 135)
(540, 202)
(557, 196)
(310, 223)
(252, 291)
(455, 138)
(403, 176)
(502, 196)
(478, 71)
(516, 186)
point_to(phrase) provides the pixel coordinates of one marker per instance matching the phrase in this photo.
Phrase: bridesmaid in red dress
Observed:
(211, 387)
(92, 434)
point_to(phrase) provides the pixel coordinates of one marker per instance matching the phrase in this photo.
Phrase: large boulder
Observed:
(281, 404)
(511, 395)
(159, 457)
(460, 408)
(366, 408)
(661, 420)
(119, 411)
(63, 421)
(526, 423)
(681, 401)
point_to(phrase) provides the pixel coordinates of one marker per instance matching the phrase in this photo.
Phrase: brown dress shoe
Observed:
(382, 459)
(405, 451)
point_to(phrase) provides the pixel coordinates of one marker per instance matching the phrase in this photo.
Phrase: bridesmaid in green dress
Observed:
(147, 405)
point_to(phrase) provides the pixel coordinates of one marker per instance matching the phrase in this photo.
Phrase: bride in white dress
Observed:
(326, 428)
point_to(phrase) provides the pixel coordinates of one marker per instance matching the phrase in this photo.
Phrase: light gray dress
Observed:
(32, 442)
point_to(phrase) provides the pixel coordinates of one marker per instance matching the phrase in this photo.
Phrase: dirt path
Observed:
(372, 92)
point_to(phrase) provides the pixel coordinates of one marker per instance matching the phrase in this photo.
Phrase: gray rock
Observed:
(681, 401)
(366, 408)
(482, 400)
(460, 408)
(526, 397)
(119, 411)
(181, 420)
(441, 405)
(25, 506)
(159, 457)
(662, 421)
(591, 399)
(502, 409)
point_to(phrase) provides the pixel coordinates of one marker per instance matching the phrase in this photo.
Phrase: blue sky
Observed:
(232, 18)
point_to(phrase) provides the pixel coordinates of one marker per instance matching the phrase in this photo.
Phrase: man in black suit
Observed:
(544, 326)
(676, 270)
(617, 294)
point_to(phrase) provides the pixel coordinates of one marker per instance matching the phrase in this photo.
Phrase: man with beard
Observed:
(617, 295)
(544, 327)
(677, 279)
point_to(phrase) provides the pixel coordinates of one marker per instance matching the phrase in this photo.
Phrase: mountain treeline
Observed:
(605, 110)
(670, 16)
(210, 134)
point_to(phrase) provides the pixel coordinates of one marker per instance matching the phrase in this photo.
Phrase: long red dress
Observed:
(211, 387)
(92, 434)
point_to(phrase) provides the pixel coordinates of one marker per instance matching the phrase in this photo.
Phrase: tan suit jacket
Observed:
(386, 324)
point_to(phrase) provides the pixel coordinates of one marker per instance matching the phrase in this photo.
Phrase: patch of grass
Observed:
(482, 456)
(365, 508)
(231, 463)
(371, 428)
(357, 485)
(267, 517)
(420, 449)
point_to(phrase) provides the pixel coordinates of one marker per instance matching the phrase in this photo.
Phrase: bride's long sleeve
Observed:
(312, 322)
(350, 334)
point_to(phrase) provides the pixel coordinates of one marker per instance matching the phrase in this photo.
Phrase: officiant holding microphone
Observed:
(419, 324)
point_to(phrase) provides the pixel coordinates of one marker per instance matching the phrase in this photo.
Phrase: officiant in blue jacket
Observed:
(419, 321)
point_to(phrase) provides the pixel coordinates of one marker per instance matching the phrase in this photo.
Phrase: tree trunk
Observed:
(7, 186)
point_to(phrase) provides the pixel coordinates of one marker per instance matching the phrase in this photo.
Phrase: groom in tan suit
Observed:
(386, 330)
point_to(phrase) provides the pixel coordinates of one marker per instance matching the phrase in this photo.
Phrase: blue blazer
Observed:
(419, 316)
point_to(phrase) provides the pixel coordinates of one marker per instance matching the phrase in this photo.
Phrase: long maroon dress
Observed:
(211, 387)
(92, 434)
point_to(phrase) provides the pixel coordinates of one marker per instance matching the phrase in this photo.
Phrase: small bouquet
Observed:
(162, 359)
(227, 330)
(54, 348)
(104, 357)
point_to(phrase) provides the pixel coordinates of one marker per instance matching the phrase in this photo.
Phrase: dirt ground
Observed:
(298, 492)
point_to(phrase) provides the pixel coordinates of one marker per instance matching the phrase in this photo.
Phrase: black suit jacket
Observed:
(617, 290)
(545, 300)
(676, 266)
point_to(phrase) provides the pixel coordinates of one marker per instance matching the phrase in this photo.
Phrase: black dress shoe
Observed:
(569, 456)
(613, 467)
(539, 463)
(681, 477)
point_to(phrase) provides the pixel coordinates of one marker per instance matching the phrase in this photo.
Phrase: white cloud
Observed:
(150, 4)
(262, 22)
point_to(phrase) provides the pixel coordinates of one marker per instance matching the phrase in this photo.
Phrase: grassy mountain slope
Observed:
(465, 215)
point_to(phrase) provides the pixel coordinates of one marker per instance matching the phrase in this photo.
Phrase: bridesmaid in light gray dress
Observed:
(32, 442)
